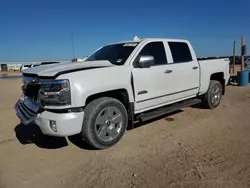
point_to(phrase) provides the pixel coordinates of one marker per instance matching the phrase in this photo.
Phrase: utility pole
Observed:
(73, 45)
(242, 53)
(234, 54)
(243, 76)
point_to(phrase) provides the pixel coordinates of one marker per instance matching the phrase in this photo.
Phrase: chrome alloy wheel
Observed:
(109, 123)
(215, 95)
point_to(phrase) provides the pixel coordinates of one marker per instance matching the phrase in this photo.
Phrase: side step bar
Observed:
(166, 110)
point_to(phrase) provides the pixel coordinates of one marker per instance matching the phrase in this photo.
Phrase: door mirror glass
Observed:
(145, 61)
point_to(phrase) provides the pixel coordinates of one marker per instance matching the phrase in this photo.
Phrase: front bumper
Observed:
(66, 124)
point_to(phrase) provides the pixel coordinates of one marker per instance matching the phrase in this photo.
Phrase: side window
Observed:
(180, 52)
(157, 50)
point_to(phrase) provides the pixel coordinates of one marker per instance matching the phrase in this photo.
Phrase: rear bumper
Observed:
(65, 124)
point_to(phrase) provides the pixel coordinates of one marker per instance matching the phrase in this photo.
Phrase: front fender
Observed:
(89, 82)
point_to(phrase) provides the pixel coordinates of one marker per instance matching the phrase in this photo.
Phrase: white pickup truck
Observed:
(117, 85)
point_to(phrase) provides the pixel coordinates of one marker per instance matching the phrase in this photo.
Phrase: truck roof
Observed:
(151, 40)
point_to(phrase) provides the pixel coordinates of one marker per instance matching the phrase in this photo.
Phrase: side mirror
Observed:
(145, 61)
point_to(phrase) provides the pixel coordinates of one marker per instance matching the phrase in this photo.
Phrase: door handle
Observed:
(168, 71)
(195, 67)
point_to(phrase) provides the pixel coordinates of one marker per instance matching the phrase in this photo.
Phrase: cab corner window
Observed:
(180, 52)
(157, 50)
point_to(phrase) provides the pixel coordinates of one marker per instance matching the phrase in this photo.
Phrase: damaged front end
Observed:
(38, 93)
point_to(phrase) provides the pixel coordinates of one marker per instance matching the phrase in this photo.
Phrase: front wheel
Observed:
(105, 121)
(213, 96)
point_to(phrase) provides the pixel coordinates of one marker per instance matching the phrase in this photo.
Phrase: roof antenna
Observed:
(136, 38)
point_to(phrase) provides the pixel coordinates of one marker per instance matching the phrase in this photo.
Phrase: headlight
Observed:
(55, 92)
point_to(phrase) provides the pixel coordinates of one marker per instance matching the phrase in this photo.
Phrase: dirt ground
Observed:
(191, 148)
(10, 73)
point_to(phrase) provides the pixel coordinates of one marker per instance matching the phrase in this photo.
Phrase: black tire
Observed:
(208, 101)
(92, 111)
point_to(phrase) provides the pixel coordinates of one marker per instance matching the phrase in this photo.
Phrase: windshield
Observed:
(116, 53)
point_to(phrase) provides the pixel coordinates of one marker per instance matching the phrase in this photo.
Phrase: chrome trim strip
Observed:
(166, 95)
(29, 104)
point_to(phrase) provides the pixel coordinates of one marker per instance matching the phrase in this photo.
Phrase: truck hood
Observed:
(54, 70)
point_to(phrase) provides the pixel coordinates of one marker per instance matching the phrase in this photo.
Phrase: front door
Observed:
(150, 83)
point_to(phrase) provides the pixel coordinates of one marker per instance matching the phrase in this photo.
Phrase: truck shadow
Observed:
(198, 106)
(31, 134)
(233, 81)
(165, 117)
(77, 140)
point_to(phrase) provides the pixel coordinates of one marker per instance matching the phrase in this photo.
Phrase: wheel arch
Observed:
(120, 94)
(219, 76)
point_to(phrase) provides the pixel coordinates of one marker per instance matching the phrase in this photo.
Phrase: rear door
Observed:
(184, 69)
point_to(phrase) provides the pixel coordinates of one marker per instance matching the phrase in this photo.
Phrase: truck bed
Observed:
(211, 58)
(209, 66)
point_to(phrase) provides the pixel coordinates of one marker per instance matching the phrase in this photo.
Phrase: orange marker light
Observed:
(64, 85)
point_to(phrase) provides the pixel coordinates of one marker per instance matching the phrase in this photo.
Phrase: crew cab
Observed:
(117, 85)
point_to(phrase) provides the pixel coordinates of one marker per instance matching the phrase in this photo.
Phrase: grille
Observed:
(27, 110)
(24, 113)
(31, 88)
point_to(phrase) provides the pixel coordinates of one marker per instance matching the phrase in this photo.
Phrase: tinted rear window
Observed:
(180, 52)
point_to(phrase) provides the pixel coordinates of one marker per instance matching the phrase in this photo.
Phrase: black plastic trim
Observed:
(142, 92)
(132, 85)
(131, 113)
(167, 109)
(30, 75)
(66, 110)
(167, 94)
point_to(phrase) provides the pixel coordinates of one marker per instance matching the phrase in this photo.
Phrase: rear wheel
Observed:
(213, 96)
(105, 121)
